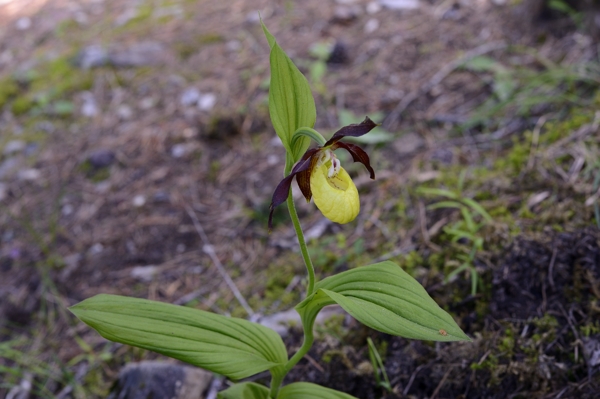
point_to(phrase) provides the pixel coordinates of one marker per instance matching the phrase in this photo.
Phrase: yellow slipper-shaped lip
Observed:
(336, 196)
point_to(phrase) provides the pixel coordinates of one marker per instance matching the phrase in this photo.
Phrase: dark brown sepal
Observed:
(358, 155)
(353, 130)
(282, 191)
(303, 178)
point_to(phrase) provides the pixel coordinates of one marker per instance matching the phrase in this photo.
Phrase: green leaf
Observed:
(482, 63)
(445, 204)
(387, 299)
(306, 390)
(437, 191)
(291, 104)
(245, 390)
(478, 208)
(229, 346)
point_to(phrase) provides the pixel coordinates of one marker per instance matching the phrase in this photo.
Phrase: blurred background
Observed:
(134, 133)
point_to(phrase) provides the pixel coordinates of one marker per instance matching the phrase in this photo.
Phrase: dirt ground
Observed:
(134, 133)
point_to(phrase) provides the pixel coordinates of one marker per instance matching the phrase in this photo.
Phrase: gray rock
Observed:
(207, 101)
(282, 321)
(89, 108)
(14, 146)
(29, 174)
(189, 97)
(160, 380)
(124, 112)
(591, 351)
(92, 57)
(400, 4)
(9, 166)
(23, 23)
(345, 14)
(101, 158)
(137, 55)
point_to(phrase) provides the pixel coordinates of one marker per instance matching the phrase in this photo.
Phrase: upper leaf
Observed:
(229, 346)
(291, 104)
(305, 390)
(386, 298)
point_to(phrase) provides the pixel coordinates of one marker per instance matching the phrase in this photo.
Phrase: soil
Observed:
(119, 168)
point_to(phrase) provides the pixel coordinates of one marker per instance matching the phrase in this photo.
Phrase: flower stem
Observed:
(296, 221)
(277, 378)
(303, 248)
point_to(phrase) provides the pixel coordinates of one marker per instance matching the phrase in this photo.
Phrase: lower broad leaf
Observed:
(385, 298)
(306, 390)
(245, 390)
(233, 347)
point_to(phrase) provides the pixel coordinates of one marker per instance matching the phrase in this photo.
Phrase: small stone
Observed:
(101, 158)
(207, 101)
(96, 249)
(137, 55)
(30, 149)
(280, 322)
(90, 107)
(9, 165)
(29, 174)
(161, 197)
(443, 155)
(14, 146)
(124, 111)
(178, 150)
(373, 7)
(67, 209)
(591, 350)
(189, 97)
(6, 57)
(253, 17)
(189, 133)
(345, 14)
(372, 25)
(46, 127)
(144, 273)
(81, 18)
(400, 4)
(147, 103)
(139, 201)
(233, 45)
(92, 56)
(339, 54)
(153, 379)
(23, 23)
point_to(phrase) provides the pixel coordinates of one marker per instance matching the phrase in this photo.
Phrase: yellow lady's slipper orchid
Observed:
(321, 177)
(334, 193)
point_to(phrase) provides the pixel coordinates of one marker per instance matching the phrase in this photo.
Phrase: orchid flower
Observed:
(321, 177)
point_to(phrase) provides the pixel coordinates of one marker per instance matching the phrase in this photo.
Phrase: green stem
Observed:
(306, 345)
(303, 247)
(310, 133)
(277, 378)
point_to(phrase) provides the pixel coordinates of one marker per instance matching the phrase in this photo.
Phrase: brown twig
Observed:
(208, 249)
